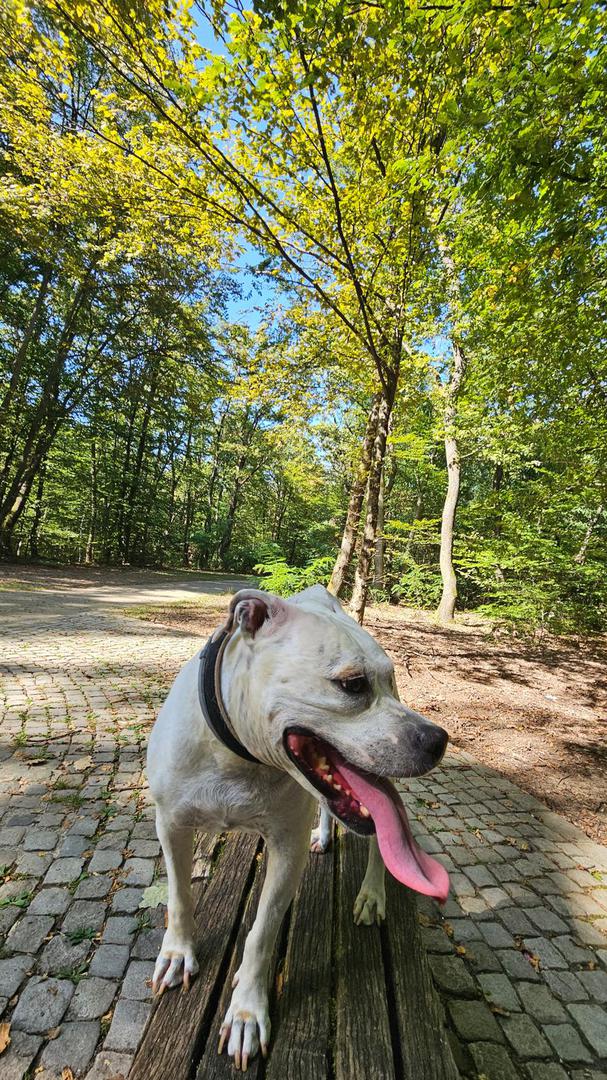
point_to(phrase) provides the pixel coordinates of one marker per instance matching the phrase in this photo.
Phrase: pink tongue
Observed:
(404, 859)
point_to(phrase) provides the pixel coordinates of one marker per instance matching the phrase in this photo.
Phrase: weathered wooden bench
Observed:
(348, 1002)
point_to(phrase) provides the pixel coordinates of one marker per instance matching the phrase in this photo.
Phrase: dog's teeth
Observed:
(337, 787)
(364, 811)
(329, 778)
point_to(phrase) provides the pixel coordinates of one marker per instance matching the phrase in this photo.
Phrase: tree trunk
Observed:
(361, 578)
(35, 530)
(90, 541)
(357, 494)
(446, 608)
(580, 558)
(378, 563)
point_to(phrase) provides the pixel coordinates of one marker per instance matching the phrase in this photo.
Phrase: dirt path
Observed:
(535, 713)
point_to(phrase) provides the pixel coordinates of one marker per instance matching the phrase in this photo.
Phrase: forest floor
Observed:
(534, 712)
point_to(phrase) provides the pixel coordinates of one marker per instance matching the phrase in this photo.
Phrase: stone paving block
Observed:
(62, 871)
(586, 932)
(465, 930)
(112, 841)
(105, 860)
(126, 900)
(146, 849)
(139, 871)
(22, 1050)
(74, 1046)
(92, 999)
(495, 935)
(481, 957)
(576, 954)
(74, 845)
(451, 975)
(109, 1065)
(84, 826)
(474, 1021)
(137, 981)
(42, 1005)
(109, 962)
(60, 955)
(547, 921)
(524, 1037)
(479, 875)
(515, 920)
(94, 887)
(521, 895)
(11, 836)
(33, 864)
(119, 930)
(128, 1022)
(595, 982)
(50, 901)
(148, 944)
(549, 955)
(12, 973)
(84, 914)
(28, 934)
(541, 1004)
(567, 1043)
(541, 1070)
(498, 990)
(592, 1020)
(40, 840)
(493, 1062)
(566, 985)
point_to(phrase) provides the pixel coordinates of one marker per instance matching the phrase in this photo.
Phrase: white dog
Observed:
(290, 703)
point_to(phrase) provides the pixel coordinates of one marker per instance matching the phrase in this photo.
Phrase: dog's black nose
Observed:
(432, 741)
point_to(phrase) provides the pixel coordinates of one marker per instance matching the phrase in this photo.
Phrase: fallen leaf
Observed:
(5, 1036)
(460, 950)
(155, 895)
(67, 1074)
(54, 1033)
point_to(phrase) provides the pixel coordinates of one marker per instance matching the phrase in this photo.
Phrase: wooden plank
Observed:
(213, 1066)
(363, 1042)
(418, 1013)
(179, 1025)
(301, 1018)
(205, 847)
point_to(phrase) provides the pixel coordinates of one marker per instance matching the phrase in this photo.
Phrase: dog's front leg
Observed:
(320, 840)
(247, 1021)
(176, 961)
(370, 904)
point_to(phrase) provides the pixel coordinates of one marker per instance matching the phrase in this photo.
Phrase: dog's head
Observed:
(312, 693)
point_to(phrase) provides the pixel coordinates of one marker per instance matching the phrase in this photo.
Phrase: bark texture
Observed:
(446, 608)
(357, 494)
(361, 578)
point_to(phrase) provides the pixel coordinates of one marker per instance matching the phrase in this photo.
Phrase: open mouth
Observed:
(367, 804)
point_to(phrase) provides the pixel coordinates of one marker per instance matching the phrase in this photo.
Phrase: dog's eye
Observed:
(358, 685)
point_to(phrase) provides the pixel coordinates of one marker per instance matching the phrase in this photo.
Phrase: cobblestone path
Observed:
(519, 953)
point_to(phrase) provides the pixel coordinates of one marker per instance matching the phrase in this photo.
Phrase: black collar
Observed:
(209, 694)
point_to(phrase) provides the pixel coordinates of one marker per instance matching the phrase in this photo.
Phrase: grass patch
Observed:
(83, 933)
(73, 800)
(73, 885)
(74, 975)
(20, 900)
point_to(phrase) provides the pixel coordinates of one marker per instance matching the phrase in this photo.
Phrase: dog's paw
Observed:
(370, 907)
(246, 1026)
(320, 841)
(176, 964)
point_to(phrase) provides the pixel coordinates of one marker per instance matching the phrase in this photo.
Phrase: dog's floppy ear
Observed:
(251, 608)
